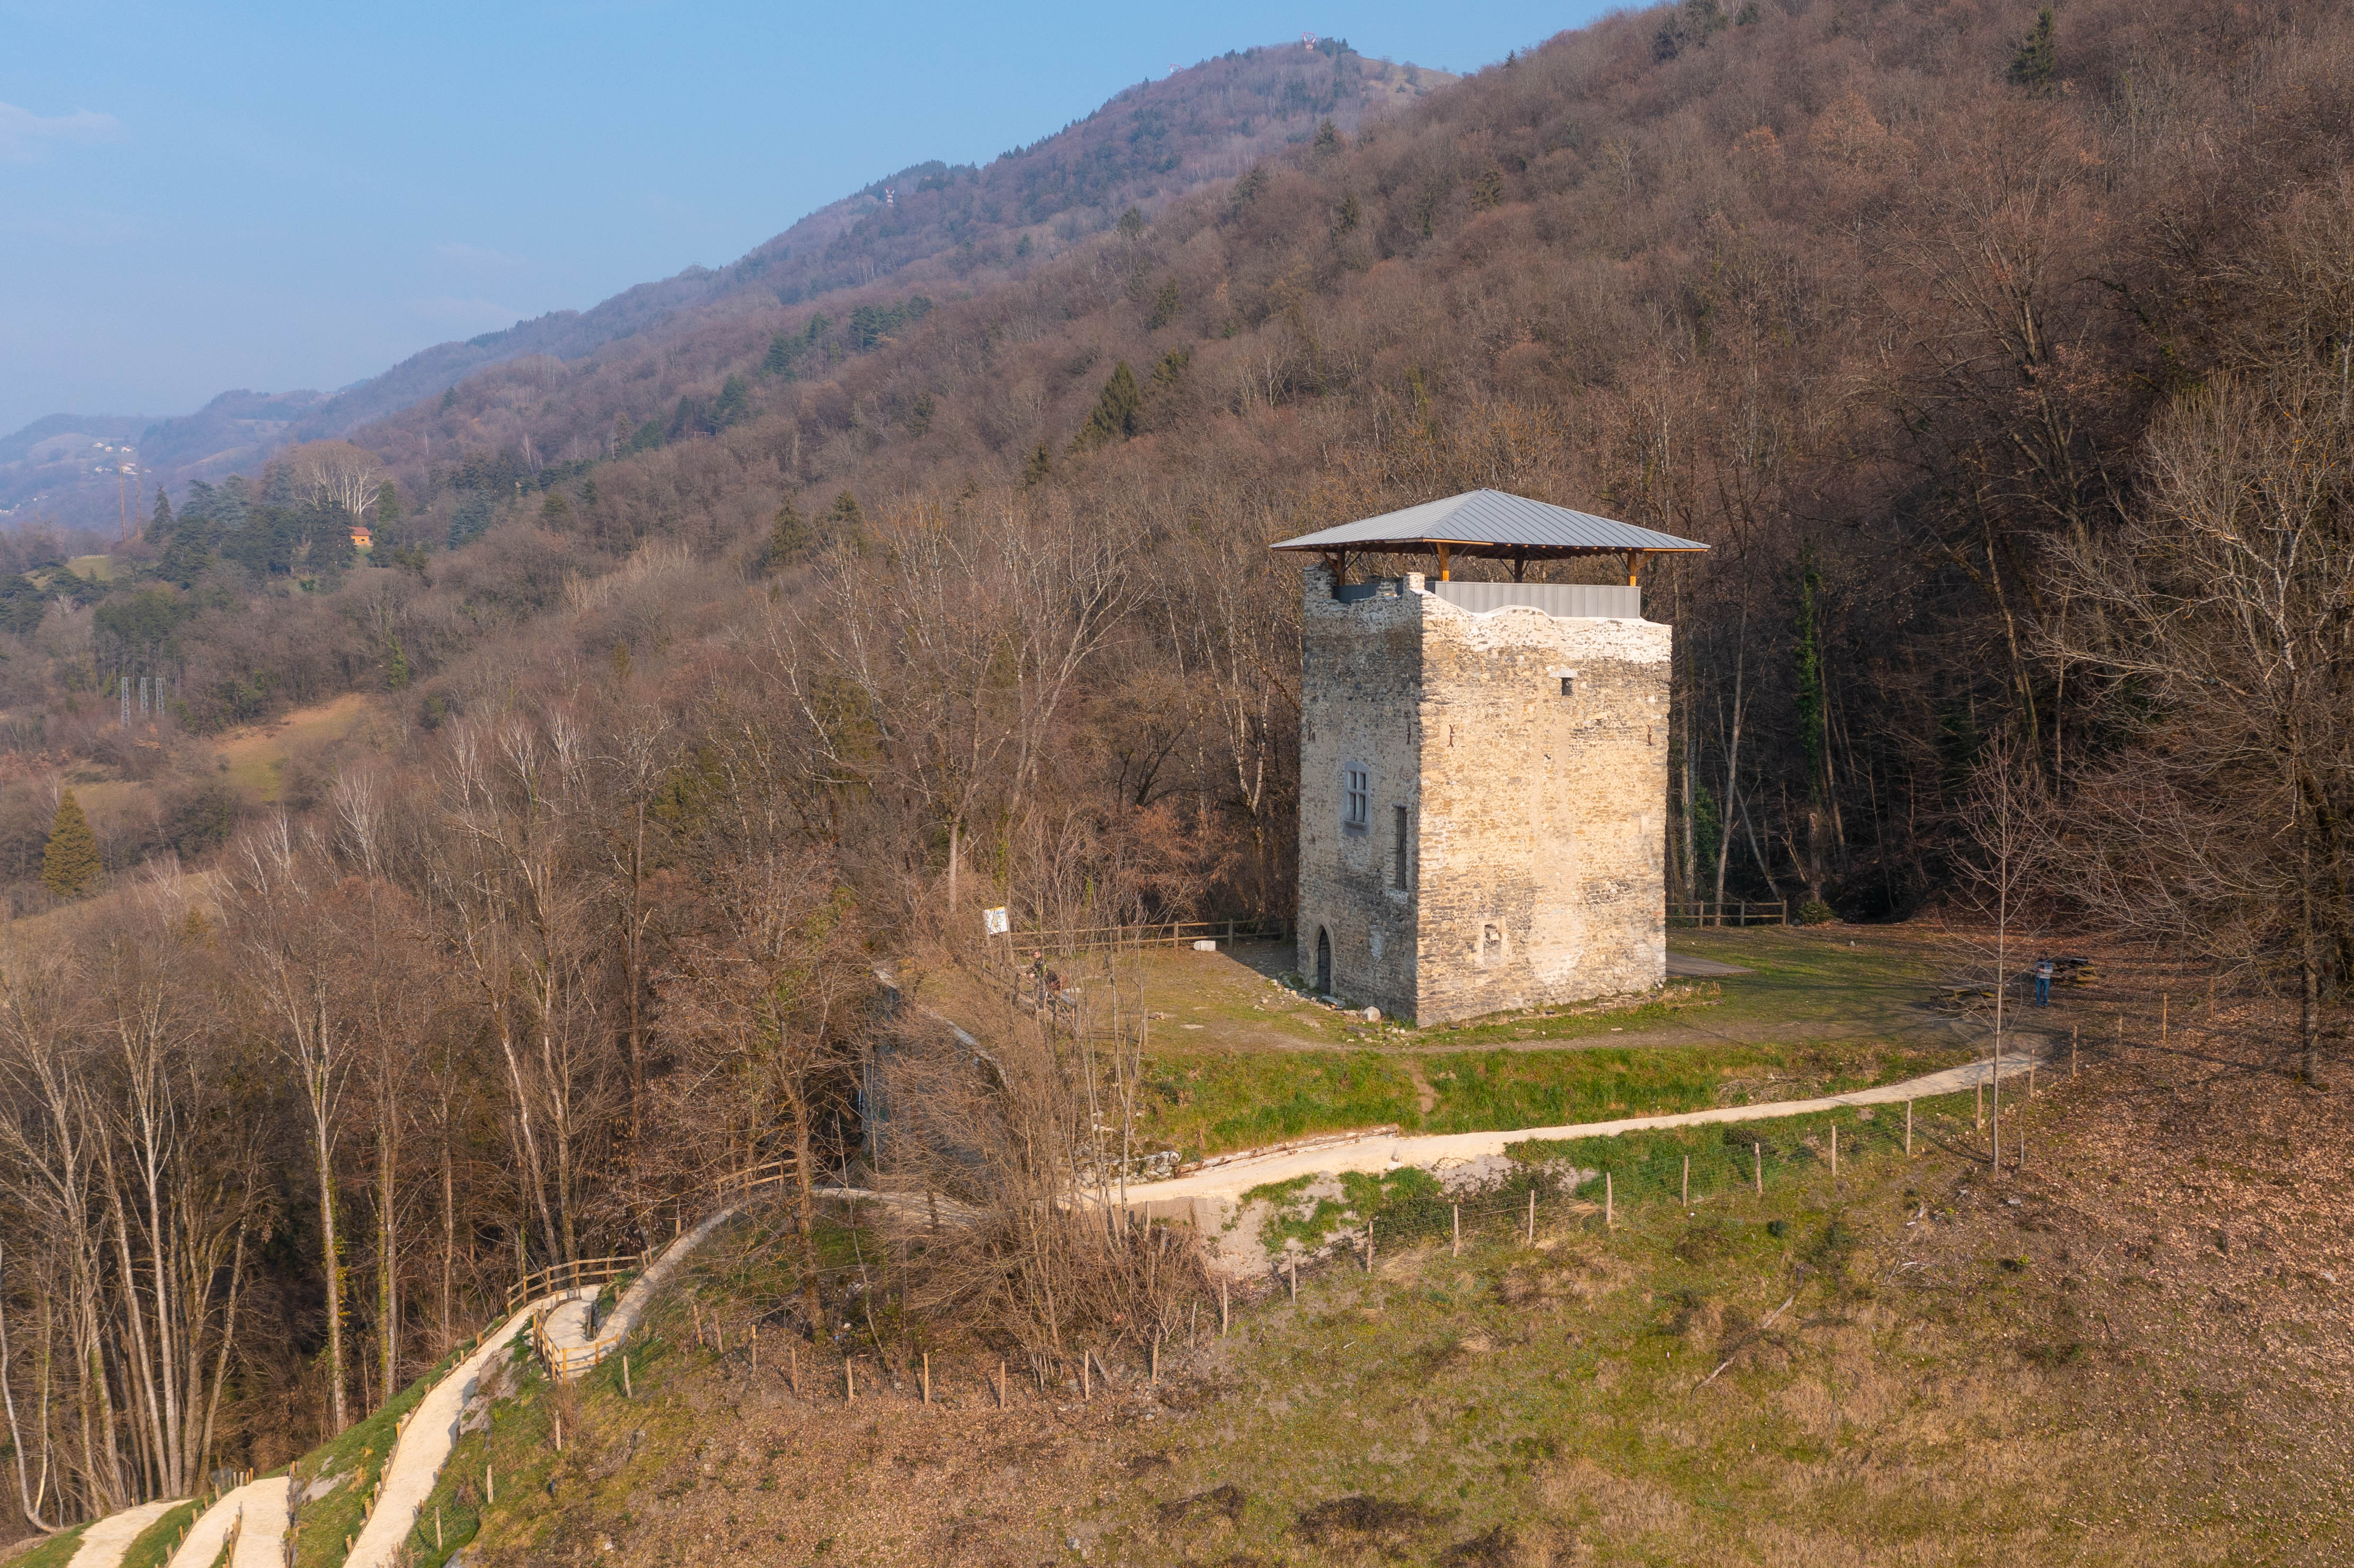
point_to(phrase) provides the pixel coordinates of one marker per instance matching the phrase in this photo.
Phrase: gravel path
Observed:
(425, 1443)
(105, 1541)
(1227, 1183)
(262, 1505)
(432, 1431)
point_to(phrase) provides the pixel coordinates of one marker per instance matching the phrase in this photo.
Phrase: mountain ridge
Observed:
(1140, 147)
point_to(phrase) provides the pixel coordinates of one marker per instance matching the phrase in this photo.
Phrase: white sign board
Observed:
(994, 923)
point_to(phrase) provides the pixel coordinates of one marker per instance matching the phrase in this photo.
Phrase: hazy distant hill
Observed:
(1150, 142)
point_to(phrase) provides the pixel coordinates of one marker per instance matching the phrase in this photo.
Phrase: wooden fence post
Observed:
(1369, 1247)
(1532, 1216)
(1086, 1375)
(1458, 1229)
(1001, 1382)
(1757, 1160)
(626, 1391)
(928, 1377)
(1686, 1199)
(1908, 1127)
(1222, 1309)
(1609, 1205)
(849, 1378)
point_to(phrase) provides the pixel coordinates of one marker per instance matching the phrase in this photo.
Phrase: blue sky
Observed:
(196, 197)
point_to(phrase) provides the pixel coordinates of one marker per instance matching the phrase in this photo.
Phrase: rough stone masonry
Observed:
(1483, 794)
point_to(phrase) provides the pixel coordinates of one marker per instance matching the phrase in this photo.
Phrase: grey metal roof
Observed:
(1491, 522)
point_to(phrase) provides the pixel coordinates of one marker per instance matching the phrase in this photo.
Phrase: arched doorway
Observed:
(1323, 963)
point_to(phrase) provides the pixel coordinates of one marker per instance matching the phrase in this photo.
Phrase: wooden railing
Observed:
(1729, 912)
(1166, 933)
(562, 1361)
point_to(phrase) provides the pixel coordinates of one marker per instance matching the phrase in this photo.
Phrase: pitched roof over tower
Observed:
(1493, 524)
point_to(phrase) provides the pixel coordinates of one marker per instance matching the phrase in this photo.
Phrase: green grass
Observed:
(1209, 1102)
(359, 1454)
(55, 1552)
(153, 1546)
(1560, 1393)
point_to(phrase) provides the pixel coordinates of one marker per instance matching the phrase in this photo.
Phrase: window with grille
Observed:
(1356, 798)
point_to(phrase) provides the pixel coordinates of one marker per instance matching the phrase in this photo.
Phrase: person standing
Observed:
(2044, 970)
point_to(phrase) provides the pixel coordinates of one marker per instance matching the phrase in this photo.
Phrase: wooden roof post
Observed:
(1634, 559)
(1445, 573)
(1520, 565)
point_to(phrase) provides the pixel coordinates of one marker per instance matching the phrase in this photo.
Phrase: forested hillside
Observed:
(971, 223)
(2003, 361)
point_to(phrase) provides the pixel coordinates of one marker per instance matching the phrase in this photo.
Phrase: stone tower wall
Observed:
(1361, 701)
(1534, 820)
(1542, 816)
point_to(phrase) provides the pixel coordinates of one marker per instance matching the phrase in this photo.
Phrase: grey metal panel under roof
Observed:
(1491, 521)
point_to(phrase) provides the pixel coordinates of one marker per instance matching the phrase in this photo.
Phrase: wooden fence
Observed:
(1730, 912)
(1168, 934)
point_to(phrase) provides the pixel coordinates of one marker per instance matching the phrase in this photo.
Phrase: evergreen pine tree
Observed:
(71, 862)
(159, 527)
(845, 525)
(1166, 306)
(1116, 412)
(1327, 137)
(1040, 467)
(2038, 59)
(1131, 223)
(788, 540)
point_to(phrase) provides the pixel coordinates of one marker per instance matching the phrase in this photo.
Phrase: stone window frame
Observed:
(1356, 798)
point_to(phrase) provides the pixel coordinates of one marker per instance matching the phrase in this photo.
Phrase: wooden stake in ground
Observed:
(1757, 1159)
(626, 1393)
(1222, 1309)
(1458, 1229)
(1086, 1375)
(490, 1485)
(1686, 1180)
(927, 1376)
(1156, 1358)
(1609, 1205)
(1834, 1153)
(437, 1526)
(849, 1379)
(2165, 1002)
(1908, 1130)
(2030, 1077)
(1001, 1382)
(1532, 1216)
(2074, 1030)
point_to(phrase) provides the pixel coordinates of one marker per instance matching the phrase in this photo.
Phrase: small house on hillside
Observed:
(362, 536)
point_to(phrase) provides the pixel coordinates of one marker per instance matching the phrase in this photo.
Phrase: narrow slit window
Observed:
(1356, 798)
(1397, 846)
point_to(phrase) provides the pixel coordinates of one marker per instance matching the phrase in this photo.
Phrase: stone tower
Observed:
(1483, 766)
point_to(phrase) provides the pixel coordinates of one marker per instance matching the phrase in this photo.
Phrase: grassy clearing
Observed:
(152, 1547)
(1212, 1102)
(257, 757)
(1772, 1378)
